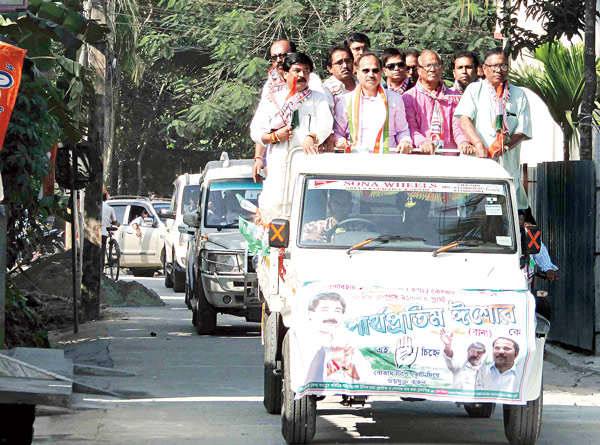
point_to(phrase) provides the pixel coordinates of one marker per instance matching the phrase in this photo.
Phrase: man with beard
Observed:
(430, 111)
(495, 116)
(502, 375)
(371, 118)
(465, 70)
(340, 64)
(394, 68)
(468, 375)
(334, 359)
(294, 116)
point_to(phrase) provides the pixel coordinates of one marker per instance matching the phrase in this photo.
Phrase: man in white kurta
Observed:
(294, 117)
(478, 111)
(371, 118)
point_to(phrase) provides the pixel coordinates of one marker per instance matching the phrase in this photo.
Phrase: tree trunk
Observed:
(589, 89)
(567, 139)
(92, 252)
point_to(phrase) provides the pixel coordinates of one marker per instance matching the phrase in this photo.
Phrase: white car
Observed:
(185, 199)
(142, 255)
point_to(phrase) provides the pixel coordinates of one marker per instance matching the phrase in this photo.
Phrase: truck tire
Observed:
(523, 423)
(21, 419)
(298, 417)
(272, 377)
(178, 281)
(480, 410)
(206, 315)
(188, 301)
(168, 276)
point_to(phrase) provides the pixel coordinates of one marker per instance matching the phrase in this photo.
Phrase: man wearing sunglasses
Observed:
(430, 111)
(495, 116)
(295, 116)
(371, 118)
(394, 68)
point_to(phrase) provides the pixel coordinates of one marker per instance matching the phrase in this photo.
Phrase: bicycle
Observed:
(113, 255)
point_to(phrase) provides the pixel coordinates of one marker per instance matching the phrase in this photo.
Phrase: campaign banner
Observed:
(438, 344)
(11, 66)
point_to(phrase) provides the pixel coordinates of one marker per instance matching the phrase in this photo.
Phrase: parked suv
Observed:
(140, 254)
(222, 278)
(186, 194)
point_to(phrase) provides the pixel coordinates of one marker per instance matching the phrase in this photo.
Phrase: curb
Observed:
(572, 360)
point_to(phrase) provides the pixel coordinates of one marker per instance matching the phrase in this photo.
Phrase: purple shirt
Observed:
(372, 119)
(419, 109)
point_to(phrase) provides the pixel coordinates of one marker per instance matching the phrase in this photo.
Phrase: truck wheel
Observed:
(298, 417)
(188, 302)
(21, 419)
(206, 315)
(272, 390)
(480, 410)
(178, 281)
(168, 276)
(523, 423)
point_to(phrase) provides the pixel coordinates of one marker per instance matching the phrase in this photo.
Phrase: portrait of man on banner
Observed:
(335, 359)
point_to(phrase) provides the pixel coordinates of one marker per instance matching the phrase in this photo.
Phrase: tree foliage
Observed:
(213, 54)
(558, 81)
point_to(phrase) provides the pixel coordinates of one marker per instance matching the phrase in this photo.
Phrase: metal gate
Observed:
(565, 211)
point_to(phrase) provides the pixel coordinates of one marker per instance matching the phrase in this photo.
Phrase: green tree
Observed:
(558, 81)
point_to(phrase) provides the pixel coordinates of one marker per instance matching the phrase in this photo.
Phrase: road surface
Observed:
(192, 389)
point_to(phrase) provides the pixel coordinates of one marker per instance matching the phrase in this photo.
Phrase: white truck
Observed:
(185, 199)
(400, 275)
(221, 276)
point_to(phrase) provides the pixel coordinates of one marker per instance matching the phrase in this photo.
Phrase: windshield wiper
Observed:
(383, 239)
(460, 243)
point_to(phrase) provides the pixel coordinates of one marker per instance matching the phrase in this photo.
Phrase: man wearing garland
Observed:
(371, 118)
(495, 116)
(294, 116)
(430, 109)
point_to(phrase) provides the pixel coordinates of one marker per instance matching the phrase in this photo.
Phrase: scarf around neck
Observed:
(382, 142)
(403, 87)
(436, 128)
(501, 97)
(293, 100)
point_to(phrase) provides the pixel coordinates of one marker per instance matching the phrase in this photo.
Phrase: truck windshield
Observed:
(408, 213)
(222, 208)
(190, 198)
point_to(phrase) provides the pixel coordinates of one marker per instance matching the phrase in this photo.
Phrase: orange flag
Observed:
(11, 67)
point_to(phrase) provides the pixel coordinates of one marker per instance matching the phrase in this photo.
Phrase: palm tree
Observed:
(558, 81)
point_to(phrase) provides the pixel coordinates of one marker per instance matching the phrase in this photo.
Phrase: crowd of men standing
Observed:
(412, 110)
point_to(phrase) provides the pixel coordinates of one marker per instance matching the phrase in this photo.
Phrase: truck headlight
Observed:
(221, 262)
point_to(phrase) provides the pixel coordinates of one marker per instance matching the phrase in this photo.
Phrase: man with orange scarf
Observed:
(296, 116)
(371, 118)
(495, 116)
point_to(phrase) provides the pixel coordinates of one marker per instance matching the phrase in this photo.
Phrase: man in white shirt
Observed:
(502, 375)
(371, 118)
(466, 375)
(276, 82)
(108, 218)
(295, 116)
(138, 221)
(340, 64)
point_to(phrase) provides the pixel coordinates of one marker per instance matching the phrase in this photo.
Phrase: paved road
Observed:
(192, 388)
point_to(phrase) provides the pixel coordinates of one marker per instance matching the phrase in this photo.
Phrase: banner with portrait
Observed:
(438, 344)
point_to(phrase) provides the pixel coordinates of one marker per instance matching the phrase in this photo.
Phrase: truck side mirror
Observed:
(279, 233)
(530, 240)
(192, 219)
(166, 213)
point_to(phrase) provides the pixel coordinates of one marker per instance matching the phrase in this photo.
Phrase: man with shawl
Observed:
(430, 109)
(371, 118)
(294, 116)
(495, 116)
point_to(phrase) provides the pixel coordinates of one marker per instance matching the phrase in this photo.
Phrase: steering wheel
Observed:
(353, 223)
